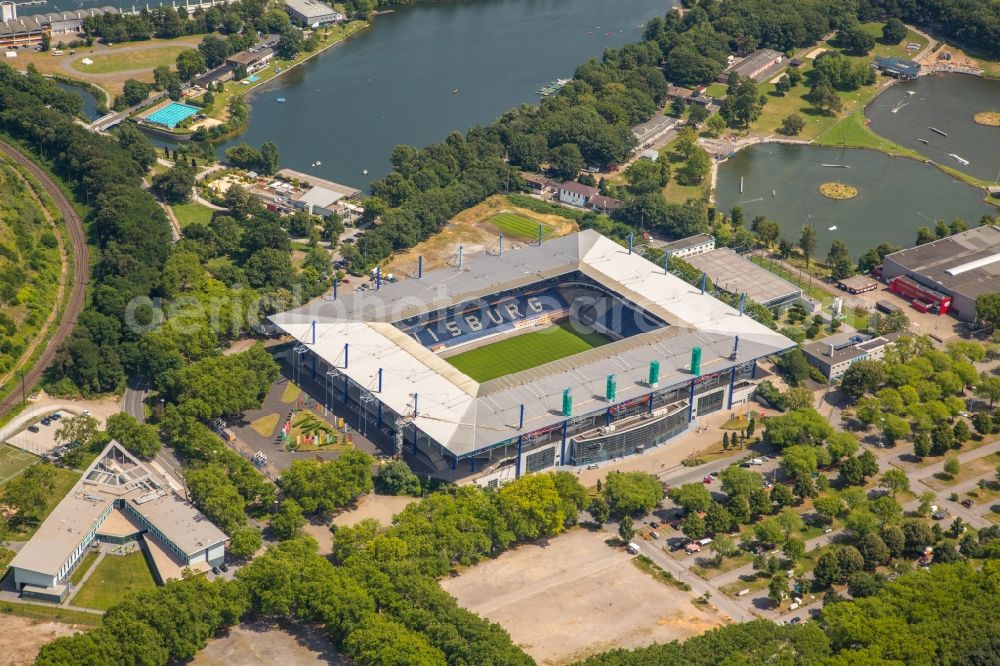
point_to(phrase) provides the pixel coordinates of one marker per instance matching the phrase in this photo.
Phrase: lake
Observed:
(896, 195)
(947, 102)
(392, 83)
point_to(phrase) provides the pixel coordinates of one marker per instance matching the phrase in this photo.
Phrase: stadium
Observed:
(564, 353)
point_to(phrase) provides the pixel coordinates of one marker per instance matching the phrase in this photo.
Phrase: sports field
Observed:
(13, 461)
(524, 351)
(519, 226)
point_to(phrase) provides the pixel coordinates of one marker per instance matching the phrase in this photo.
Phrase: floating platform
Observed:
(960, 160)
(836, 166)
(937, 131)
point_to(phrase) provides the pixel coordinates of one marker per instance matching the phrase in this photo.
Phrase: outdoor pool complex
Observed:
(172, 114)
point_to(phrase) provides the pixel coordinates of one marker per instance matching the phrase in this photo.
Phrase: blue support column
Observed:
(313, 331)
(520, 426)
(415, 412)
(420, 267)
(335, 281)
(346, 347)
(691, 402)
(378, 278)
(562, 451)
(650, 404)
(472, 459)
(753, 370)
(454, 462)
(631, 239)
(732, 383)
(607, 418)
(704, 280)
(501, 245)
(517, 464)
(380, 380)
(666, 263)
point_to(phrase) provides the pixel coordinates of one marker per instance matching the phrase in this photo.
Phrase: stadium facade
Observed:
(672, 353)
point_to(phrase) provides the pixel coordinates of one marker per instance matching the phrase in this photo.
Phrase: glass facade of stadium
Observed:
(618, 430)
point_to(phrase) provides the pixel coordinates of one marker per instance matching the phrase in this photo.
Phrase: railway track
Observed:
(81, 267)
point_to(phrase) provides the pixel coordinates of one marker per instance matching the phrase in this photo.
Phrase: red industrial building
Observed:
(921, 298)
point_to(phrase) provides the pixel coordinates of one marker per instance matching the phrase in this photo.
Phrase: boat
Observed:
(833, 228)
(318, 163)
(552, 87)
(364, 172)
(935, 129)
(281, 100)
(923, 141)
(836, 166)
(911, 92)
(958, 159)
(455, 91)
(774, 193)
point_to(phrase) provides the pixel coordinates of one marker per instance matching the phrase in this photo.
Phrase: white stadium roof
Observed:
(466, 416)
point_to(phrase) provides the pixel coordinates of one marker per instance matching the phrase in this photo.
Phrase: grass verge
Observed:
(52, 613)
(646, 565)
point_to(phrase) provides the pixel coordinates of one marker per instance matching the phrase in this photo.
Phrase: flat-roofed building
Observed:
(857, 284)
(834, 355)
(947, 275)
(733, 274)
(686, 247)
(759, 66)
(119, 488)
(312, 12)
(252, 61)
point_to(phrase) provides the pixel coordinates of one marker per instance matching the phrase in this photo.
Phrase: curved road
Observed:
(81, 266)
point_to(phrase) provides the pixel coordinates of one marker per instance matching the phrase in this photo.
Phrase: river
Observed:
(393, 83)
(89, 101)
(947, 102)
(896, 195)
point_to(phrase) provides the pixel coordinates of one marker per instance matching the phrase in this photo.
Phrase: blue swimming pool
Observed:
(172, 114)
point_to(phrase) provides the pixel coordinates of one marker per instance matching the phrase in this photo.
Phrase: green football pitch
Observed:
(524, 351)
(513, 224)
(13, 461)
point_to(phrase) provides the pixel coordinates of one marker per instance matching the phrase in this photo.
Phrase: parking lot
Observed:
(576, 595)
(39, 437)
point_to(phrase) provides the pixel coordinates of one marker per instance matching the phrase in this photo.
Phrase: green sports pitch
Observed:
(524, 351)
(13, 461)
(513, 224)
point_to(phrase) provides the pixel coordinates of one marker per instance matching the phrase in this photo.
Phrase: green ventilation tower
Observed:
(696, 361)
(609, 389)
(654, 373)
(567, 409)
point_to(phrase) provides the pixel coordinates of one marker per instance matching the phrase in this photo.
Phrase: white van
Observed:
(633, 548)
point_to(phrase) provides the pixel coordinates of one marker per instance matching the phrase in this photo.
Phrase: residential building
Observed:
(585, 196)
(947, 275)
(835, 354)
(118, 499)
(253, 61)
(312, 13)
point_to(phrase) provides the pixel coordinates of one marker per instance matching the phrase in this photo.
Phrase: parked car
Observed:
(215, 570)
(795, 620)
(654, 534)
(224, 567)
(592, 466)
(707, 480)
(33, 428)
(654, 524)
(56, 416)
(967, 503)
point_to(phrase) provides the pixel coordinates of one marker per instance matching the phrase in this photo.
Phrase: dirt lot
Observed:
(249, 645)
(470, 229)
(576, 596)
(21, 638)
(380, 507)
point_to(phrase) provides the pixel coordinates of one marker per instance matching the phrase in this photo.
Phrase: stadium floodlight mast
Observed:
(299, 350)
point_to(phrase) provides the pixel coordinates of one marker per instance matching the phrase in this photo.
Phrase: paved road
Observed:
(81, 264)
(134, 404)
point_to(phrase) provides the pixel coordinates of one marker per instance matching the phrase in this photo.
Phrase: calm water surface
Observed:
(896, 195)
(947, 102)
(394, 82)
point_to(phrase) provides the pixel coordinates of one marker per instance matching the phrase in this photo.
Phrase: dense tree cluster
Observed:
(166, 22)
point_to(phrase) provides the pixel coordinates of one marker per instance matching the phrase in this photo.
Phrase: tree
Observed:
(737, 481)
(895, 480)
(138, 438)
(677, 107)
(697, 115)
(632, 493)
(190, 63)
(850, 561)
(894, 539)
(288, 520)
(894, 31)
(777, 587)
(244, 542)
(321, 487)
(807, 242)
(873, 549)
(743, 106)
(692, 497)
(723, 547)
(718, 520)
(825, 98)
(27, 494)
(382, 641)
(134, 92)
(863, 584)
(800, 460)
(952, 467)
(854, 38)
(644, 177)
(829, 507)
(792, 124)
(850, 472)
(862, 377)
(566, 161)
(396, 478)
(782, 87)
(942, 439)
(782, 496)
(988, 388)
(697, 167)
(790, 522)
(213, 50)
(174, 186)
(600, 511)
(795, 369)
(961, 432)
(693, 526)
(290, 43)
(988, 311)
(768, 531)
(625, 529)
(78, 429)
(794, 549)
(827, 570)
(716, 125)
(869, 465)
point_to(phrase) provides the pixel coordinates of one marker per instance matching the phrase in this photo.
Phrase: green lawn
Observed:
(13, 461)
(524, 351)
(64, 480)
(53, 613)
(190, 213)
(853, 132)
(140, 59)
(83, 567)
(519, 226)
(113, 578)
